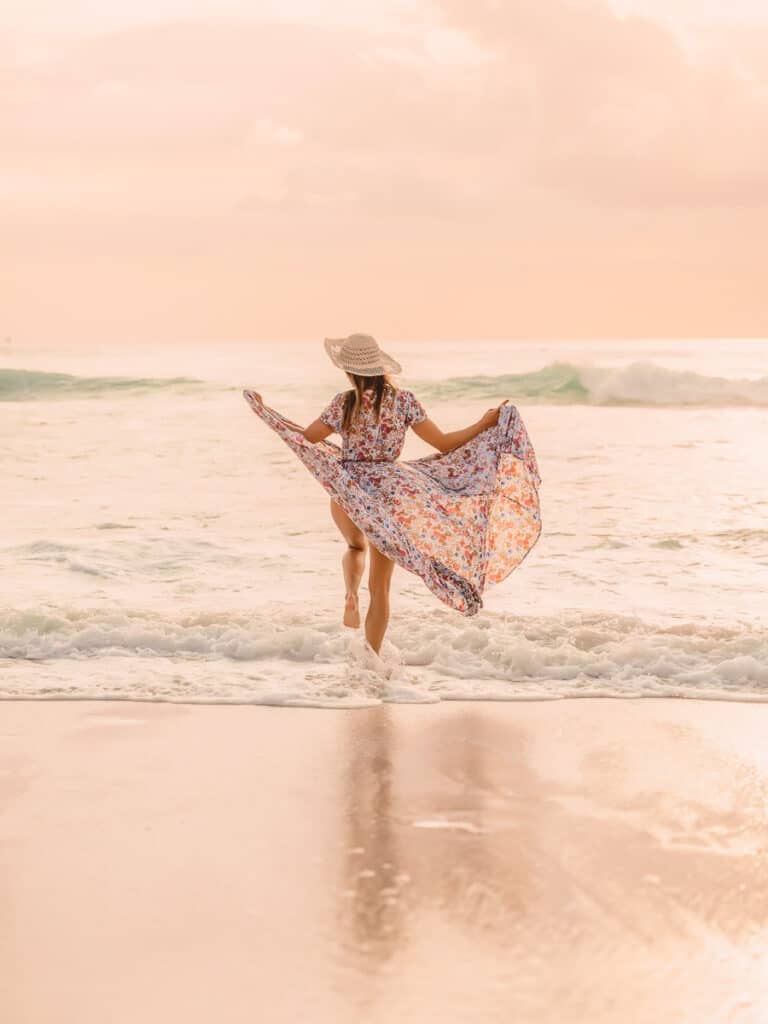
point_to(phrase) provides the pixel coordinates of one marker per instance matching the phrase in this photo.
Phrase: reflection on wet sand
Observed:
(396, 863)
(371, 908)
(460, 833)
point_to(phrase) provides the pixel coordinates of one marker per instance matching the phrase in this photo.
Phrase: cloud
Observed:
(450, 174)
(611, 109)
(562, 95)
(400, 190)
(363, 114)
(264, 131)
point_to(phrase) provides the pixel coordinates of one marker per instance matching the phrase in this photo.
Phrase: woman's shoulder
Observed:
(411, 407)
(332, 414)
(404, 394)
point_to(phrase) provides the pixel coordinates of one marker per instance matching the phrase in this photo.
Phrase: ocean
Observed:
(159, 543)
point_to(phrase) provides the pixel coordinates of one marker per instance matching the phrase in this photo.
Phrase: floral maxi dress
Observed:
(461, 520)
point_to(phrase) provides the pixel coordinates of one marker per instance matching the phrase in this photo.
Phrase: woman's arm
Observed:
(429, 431)
(316, 431)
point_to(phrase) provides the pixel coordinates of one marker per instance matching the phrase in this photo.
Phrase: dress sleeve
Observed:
(332, 414)
(414, 410)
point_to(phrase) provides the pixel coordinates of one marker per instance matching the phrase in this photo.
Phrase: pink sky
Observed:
(191, 170)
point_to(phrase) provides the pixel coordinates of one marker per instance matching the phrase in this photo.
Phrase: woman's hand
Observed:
(491, 417)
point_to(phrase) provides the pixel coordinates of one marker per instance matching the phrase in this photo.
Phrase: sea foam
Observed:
(283, 656)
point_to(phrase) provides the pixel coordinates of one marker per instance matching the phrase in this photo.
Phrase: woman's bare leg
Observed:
(379, 579)
(352, 563)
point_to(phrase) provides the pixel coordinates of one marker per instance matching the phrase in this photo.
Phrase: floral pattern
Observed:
(369, 440)
(461, 520)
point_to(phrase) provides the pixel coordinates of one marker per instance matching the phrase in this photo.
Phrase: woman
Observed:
(460, 519)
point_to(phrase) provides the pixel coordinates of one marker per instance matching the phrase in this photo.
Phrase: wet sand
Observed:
(561, 862)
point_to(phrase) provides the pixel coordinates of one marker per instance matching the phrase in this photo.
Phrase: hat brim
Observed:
(386, 364)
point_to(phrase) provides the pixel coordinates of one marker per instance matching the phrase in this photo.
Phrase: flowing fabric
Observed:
(461, 520)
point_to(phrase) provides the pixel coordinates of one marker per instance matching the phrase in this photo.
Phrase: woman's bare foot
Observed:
(352, 611)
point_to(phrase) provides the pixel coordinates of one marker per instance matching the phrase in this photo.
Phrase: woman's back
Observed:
(368, 440)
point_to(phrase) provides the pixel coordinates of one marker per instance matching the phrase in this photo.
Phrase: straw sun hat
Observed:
(360, 354)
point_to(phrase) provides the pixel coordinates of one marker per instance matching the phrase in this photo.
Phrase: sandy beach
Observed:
(572, 861)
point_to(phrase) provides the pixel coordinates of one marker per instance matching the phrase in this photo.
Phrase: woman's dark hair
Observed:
(353, 400)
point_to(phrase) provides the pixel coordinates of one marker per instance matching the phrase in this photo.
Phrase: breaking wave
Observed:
(25, 385)
(640, 383)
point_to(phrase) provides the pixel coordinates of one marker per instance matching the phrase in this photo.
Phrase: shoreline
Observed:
(287, 705)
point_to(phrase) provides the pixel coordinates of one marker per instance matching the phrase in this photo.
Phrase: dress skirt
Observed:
(461, 520)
